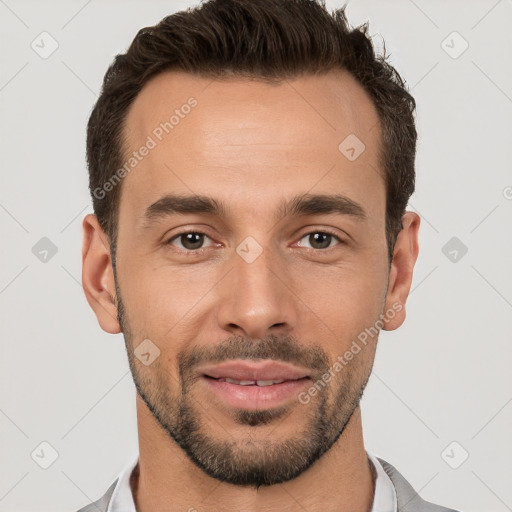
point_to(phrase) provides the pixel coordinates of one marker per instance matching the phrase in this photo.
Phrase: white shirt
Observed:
(383, 501)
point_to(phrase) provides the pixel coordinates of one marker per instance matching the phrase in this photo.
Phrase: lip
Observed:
(247, 370)
(254, 397)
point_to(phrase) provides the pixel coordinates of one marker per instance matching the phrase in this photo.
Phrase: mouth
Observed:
(247, 373)
(261, 383)
(254, 386)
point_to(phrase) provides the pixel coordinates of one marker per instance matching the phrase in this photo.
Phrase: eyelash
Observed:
(191, 252)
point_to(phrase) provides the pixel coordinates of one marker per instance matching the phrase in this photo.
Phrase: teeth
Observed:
(240, 382)
(268, 382)
(252, 382)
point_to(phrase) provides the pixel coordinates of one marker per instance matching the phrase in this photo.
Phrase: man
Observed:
(250, 165)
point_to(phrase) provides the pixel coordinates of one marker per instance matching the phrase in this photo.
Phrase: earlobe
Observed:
(405, 255)
(97, 275)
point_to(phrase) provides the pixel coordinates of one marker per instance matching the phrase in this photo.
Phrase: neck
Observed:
(342, 480)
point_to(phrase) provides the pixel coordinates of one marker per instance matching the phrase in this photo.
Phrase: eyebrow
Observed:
(300, 205)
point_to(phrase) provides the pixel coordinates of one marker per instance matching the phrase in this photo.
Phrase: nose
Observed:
(255, 298)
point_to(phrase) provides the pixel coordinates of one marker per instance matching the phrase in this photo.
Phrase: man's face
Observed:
(247, 285)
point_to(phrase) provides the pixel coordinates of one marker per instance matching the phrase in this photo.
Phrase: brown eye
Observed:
(189, 241)
(319, 240)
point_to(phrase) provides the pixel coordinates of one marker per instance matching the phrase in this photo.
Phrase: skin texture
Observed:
(251, 145)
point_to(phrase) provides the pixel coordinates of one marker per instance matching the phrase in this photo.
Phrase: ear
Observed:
(400, 276)
(98, 276)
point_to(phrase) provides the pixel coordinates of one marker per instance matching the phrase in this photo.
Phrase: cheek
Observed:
(343, 302)
(162, 300)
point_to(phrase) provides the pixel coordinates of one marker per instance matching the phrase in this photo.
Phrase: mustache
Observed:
(285, 349)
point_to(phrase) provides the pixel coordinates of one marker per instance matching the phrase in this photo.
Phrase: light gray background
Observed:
(444, 376)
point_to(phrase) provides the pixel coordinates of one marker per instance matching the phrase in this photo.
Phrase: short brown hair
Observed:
(261, 39)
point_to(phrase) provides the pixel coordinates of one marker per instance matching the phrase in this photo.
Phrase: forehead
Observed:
(225, 138)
